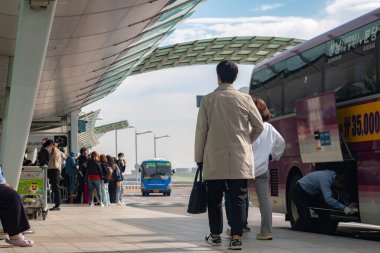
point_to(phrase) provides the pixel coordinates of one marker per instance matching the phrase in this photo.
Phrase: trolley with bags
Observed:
(33, 187)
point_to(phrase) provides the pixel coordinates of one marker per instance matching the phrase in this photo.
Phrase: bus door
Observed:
(318, 130)
(322, 144)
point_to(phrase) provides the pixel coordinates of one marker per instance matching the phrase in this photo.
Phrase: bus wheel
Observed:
(291, 206)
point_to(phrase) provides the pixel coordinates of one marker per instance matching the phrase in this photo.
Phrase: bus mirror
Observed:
(173, 171)
(139, 169)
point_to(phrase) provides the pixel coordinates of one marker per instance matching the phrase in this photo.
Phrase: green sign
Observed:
(31, 183)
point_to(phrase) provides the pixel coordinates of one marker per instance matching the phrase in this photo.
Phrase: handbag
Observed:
(198, 195)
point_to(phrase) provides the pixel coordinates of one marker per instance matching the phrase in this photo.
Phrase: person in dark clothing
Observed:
(115, 182)
(81, 176)
(43, 155)
(122, 165)
(107, 175)
(325, 185)
(95, 175)
(12, 215)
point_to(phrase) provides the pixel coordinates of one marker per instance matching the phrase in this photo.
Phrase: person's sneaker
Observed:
(228, 231)
(214, 241)
(264, 236)
(246, 229)
(55, 208)
(119, 203)
(91, 204)
(101, 205)
(235, 244)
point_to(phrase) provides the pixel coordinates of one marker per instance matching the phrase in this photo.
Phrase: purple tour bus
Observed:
(324, 98)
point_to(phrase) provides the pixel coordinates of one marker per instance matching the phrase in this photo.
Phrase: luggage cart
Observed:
(33, 187)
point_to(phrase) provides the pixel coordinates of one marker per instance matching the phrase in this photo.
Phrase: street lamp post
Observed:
(116, 142)
(116, 138)
(137, 164)
(155, 138)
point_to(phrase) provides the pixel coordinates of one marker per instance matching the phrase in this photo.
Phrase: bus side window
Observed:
(303, 77)
(273, 99)
(353, 76)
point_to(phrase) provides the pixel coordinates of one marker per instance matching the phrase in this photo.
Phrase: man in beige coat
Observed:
(54, 173)
(223, 145)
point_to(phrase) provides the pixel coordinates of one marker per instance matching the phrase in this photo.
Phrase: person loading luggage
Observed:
(324, 184)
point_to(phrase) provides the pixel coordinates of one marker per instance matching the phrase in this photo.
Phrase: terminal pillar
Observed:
(33, 34)
(74, 132)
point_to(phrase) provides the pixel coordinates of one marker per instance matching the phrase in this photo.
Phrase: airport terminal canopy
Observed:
(242, 50)
(90, 136)
(93, 45)
(57, 56)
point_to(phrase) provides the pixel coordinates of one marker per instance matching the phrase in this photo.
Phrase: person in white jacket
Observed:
(268, 146)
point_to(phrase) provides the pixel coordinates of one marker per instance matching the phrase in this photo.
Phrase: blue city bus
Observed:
(156, 177)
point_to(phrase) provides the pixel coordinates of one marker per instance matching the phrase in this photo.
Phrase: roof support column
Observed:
(33, 33)
(74, 132)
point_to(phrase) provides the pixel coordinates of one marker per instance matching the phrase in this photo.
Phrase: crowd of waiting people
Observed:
(89, 178)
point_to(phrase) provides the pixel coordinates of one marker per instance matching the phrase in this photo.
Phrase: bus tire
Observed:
(291, 207)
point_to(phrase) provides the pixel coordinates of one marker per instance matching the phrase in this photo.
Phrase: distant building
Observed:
(182, 170)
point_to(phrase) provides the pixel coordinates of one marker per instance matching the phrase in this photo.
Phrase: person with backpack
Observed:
(107, 176)
(71, 171)
(115, 182)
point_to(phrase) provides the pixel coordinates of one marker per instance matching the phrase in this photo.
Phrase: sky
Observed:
(165, 101)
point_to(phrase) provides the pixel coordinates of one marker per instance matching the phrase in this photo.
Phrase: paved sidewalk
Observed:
(79, 228)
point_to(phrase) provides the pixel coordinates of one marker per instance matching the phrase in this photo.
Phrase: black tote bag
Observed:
(198, 196)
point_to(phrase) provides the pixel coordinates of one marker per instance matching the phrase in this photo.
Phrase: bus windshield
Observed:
(156, 170)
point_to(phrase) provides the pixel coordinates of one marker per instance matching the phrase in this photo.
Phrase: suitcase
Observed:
(86, 194)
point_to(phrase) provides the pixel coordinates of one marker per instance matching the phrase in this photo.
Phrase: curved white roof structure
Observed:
(93, 45)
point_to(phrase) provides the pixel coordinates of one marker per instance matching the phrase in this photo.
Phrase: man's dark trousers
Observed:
(54, 178)
(239, 192)
(12, 213)
(302, 201)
